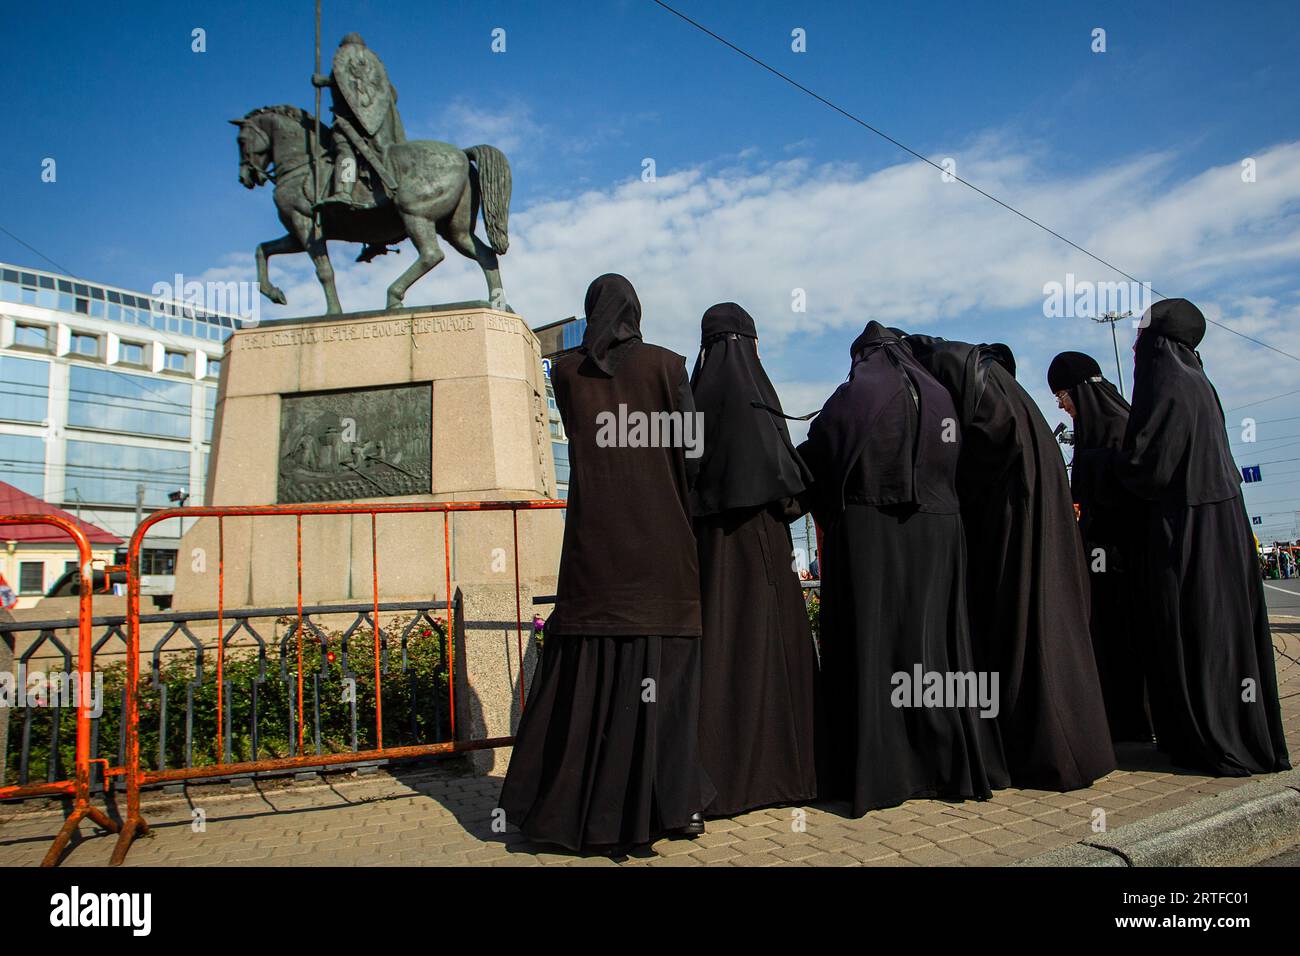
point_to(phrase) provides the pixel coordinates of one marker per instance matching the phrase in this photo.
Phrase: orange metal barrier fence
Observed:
(137, 777)
(131, 769)
(79, 785)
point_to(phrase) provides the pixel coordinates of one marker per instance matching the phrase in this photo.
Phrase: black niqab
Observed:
(748, 458)
(613, 319)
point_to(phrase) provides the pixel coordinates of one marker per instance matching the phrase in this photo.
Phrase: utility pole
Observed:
(1111, 318)
(139, 504)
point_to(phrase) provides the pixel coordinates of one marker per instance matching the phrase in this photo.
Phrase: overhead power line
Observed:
(1262, 401)
(948, 172)
(27, 245)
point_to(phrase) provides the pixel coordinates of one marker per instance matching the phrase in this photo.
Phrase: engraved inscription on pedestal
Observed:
(345, 445)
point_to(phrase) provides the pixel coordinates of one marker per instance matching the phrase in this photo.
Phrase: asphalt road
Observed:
(1283, 596)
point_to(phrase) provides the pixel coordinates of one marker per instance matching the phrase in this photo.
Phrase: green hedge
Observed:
(408, 703)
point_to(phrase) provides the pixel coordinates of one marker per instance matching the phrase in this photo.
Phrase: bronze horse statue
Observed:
(438, 193)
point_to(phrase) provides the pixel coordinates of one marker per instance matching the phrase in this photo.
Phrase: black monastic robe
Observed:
(1027, 583)
(759, 662)
(893, 589)
(606, 755)
(1211, 677)
(1108, 517)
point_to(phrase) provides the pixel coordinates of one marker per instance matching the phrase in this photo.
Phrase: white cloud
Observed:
(510, 127)
(898, 245)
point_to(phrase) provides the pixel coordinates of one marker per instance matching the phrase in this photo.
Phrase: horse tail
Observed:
(493, 182)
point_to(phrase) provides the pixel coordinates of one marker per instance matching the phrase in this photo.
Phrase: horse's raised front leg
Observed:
(273, 247)
(428, 254)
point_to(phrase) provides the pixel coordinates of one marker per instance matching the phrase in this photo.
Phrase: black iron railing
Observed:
(328, 672)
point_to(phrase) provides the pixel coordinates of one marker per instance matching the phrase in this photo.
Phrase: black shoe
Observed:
(695, 827)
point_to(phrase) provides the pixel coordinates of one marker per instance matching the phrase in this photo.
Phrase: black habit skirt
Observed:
(894, 597)
(606, 754)
(1029, 622)
(1209, 642)
(1118, 642)
(759, 665)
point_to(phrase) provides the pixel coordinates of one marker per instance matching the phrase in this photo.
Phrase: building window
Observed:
(33, 336)
(158, 561)
(560, 451)
(84, 345)
(214, 368)
(209, 412)
(176, 361)
(121, 402)
(24, 389)
(31, 577)
(69, 566)
(130, 353)
(159, 471)
(22, 463)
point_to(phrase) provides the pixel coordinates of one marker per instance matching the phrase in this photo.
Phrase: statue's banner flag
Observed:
(363, 81)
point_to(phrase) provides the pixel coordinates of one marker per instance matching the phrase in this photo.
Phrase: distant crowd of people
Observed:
(976, 631)
(1279, 561)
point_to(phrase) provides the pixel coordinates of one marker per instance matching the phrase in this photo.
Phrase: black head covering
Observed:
(1100, 412)
(1100, 420)
(960, 367)
(1069, 369)
(881, 438)
(725, 319)
(613, 319)
(1174, 319)
(1175, 448)
(748, 458)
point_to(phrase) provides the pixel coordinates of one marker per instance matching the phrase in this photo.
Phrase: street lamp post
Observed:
(1111, 318)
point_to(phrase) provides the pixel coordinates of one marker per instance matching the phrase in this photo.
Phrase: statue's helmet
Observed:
(352, 38)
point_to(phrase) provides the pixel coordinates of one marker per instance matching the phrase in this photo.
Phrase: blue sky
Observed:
(1133, 153)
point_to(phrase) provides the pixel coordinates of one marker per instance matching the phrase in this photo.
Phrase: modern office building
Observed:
(106, 402)
(556, 339)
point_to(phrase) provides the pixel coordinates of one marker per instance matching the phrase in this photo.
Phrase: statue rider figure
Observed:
(366, 120)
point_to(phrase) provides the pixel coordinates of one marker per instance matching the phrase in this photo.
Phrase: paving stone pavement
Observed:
(443, 815)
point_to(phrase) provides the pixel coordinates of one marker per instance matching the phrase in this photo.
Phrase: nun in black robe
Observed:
(1027, 584)
(759, 663)
(893, 587)
(1212, 683)
(1107, 517)
(606, 755)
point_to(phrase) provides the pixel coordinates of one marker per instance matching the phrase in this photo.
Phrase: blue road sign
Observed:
(1251, 473)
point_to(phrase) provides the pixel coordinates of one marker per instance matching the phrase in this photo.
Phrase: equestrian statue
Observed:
(361, 180)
